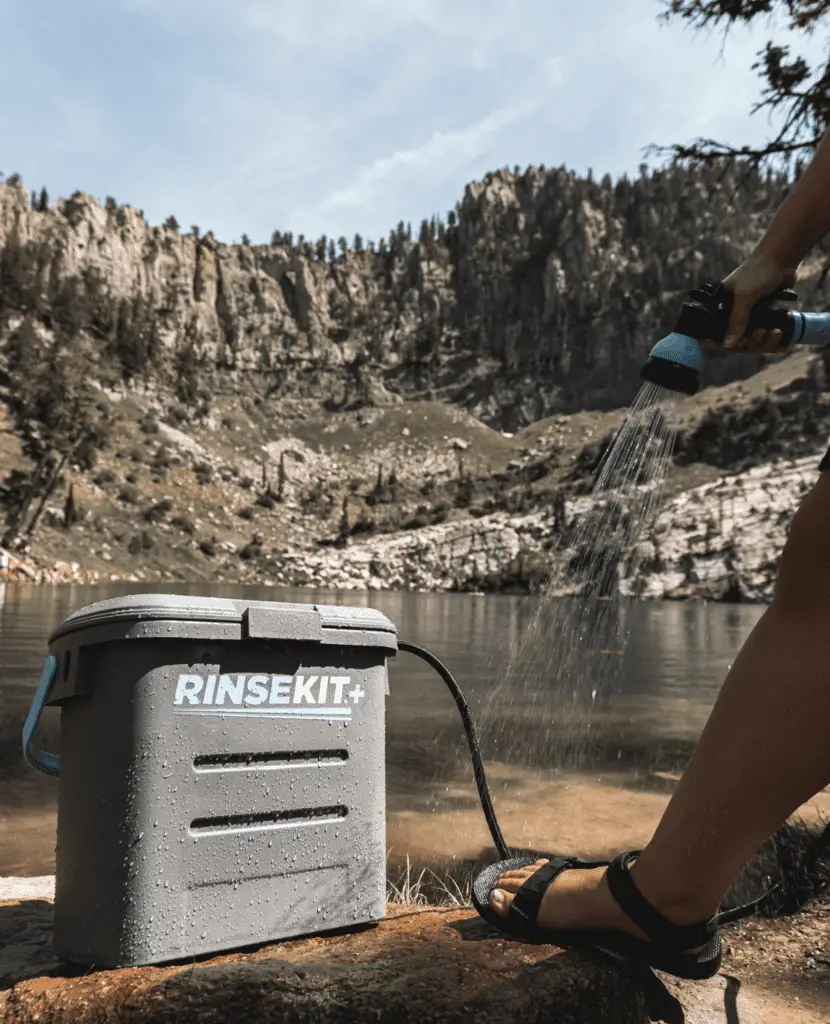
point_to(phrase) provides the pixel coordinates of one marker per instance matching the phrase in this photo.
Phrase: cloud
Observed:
(444, 152)
(324, 116)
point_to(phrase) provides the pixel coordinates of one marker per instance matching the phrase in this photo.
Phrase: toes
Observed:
(500, 901)
(501, 896)
(522, 873)
(511, 885)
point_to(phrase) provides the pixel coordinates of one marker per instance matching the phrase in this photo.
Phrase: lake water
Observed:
(675, 662)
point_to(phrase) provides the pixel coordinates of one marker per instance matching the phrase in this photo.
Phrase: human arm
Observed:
(801, 221)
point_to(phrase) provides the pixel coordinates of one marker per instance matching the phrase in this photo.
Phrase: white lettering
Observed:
(280, 689)
(338, 682)
(210, 688)
(228, 688)
(302, 689)
(188, 687)
(257, 689)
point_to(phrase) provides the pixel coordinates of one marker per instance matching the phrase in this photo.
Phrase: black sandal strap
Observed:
(528, 899)
(657, 927)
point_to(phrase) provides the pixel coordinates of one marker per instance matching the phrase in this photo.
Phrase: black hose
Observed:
(472, 740)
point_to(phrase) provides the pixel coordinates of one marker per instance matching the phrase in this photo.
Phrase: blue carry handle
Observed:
(40, 760)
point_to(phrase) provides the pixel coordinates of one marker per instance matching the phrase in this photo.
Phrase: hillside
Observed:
(285, 412)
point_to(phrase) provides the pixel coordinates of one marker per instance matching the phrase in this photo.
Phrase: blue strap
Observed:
(40, 760)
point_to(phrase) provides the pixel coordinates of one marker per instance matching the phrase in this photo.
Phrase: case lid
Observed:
(328, 624)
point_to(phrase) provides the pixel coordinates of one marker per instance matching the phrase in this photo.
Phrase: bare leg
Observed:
(765, 750)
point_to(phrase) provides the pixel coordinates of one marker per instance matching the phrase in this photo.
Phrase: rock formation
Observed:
(169, 390)
(541, 292)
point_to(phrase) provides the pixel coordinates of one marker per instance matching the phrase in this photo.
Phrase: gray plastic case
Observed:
(222, 775)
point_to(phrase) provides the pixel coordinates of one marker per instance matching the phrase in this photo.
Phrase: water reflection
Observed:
(676, 658)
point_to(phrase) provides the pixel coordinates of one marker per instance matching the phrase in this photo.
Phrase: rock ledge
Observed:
(424, 965)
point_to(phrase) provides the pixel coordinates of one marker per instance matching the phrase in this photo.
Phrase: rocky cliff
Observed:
(408, 413)
(540, 294)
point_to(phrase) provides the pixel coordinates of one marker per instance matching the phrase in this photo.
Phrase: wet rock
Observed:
(419, 965)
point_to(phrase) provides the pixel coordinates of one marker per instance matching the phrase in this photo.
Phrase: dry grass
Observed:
(796, 860)
(426, 889)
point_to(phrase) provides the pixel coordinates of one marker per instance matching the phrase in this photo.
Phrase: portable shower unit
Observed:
(221, 774)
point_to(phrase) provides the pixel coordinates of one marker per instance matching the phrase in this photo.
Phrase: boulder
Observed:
(425, 965)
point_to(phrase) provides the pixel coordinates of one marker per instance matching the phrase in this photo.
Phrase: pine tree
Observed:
(792, 86)
(58, 415)
(70, 511)
(345, 526)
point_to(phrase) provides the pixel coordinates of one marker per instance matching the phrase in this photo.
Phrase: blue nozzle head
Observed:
(675, 364)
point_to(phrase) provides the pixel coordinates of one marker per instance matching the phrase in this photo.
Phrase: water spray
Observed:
(676, 361)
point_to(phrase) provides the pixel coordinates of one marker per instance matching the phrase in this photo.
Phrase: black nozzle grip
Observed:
(707, 315)
(767, 314)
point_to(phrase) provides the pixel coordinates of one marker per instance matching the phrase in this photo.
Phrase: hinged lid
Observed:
(328, 624)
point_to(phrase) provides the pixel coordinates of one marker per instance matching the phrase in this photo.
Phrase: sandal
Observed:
(666, 949)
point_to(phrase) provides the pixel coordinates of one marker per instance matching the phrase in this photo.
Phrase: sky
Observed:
(342, 116)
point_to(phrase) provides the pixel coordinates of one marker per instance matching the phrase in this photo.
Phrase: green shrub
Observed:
(156, 512)
(183, 523)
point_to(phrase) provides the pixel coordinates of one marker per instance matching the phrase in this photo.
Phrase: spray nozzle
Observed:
(675, 362)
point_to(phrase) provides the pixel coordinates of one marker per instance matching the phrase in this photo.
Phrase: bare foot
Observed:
(578, 898)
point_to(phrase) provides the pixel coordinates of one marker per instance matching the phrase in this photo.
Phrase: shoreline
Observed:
(26, 571)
